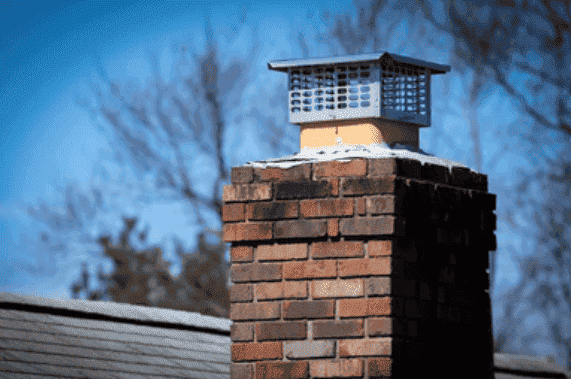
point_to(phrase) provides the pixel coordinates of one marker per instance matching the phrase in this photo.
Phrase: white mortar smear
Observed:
(347, 152)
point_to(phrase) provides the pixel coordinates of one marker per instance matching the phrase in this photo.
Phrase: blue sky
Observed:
(48, 52)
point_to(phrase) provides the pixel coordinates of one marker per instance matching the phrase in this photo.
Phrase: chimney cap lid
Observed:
(284, 65)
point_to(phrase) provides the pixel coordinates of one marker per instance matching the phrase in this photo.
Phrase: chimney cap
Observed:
(383, 57)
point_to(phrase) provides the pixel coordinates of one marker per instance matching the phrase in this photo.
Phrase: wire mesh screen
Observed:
(351, 91)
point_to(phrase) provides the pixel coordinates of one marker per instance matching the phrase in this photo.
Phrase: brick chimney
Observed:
(359, 265)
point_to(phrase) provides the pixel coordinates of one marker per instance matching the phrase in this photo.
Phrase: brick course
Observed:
(353, 269)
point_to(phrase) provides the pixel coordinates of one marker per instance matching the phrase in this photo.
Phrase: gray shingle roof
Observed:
(50, 338)
(89, 339)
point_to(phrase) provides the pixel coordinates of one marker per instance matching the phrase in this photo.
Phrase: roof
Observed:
(283, 65)
(52, 338)
(91, 339)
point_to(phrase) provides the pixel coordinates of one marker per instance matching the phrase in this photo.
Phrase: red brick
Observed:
(248, 231)
(242, 253)
(333, 227)
(380, 248)
(281, 290)
(337, 329)
(241, 331)
(409, 168)
(276, 174)
(257, 311)
(386, 326)
(361, 209)
(303, 190)
(242, 371)
(334, 186)
(310, 269)
(364, 267)
(382, 306)
(372, 226)
(327, 208)
(281, 370)
(256, 351)
(355, 167)
(309, 349)
(338, 368)
(241, 293)
(242, 174)
(300, 229)
(233, 212)
(365, 347)
(272, 211)
(337, 288)
(256, 272)
(342, 249)
(309, 309)
(281, 252)
(370, 186)
(387, 204)
(281, 330)
(247, 192)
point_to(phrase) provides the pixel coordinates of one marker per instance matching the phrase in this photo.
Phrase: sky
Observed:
(48, 53)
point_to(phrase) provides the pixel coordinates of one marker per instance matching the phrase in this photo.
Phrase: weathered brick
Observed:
(281, 370)
(355, 167)
(327, 208)
(247, 192)
(281, 252)
(309, 309)
(241, 293)
(337, 288)
(256, 272)
(310, 269)
(303, 190)
(256, 351)
(257, 311)
(380, 367)
(386, 204)
(386, 326)
(365, 347)
(300, 229)
(272, 211)
(333, 227)
(337, 329)
(247, 231)
(242, 253)
(338, 368)
(365, 267)
(370, 186)
(382, 306)
(233, 212)
(281, 290)
(409, 168)
(309, 349)
(241, 331)
(342, 249)
(378, 286)
(276, 174)
(381, 225)
(280, 330)
(242, 174)
(242, 371)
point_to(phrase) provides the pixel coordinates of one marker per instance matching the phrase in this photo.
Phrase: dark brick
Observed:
(241, 331)
(462, 177)
(309, 309)
(256, 272)
(408, 168)
(272, 211)
(342, 249)
(484, 201)
(242, 174)
(280, 330)
(436, 173)
(300, 229)
(242, 371)
(386, 326)
(337, 329)
(241, 293)
(282, 370)
(373, 186)
(382, 225)
(303, 190)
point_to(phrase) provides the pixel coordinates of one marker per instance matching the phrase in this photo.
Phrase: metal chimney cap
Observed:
(383, 57)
